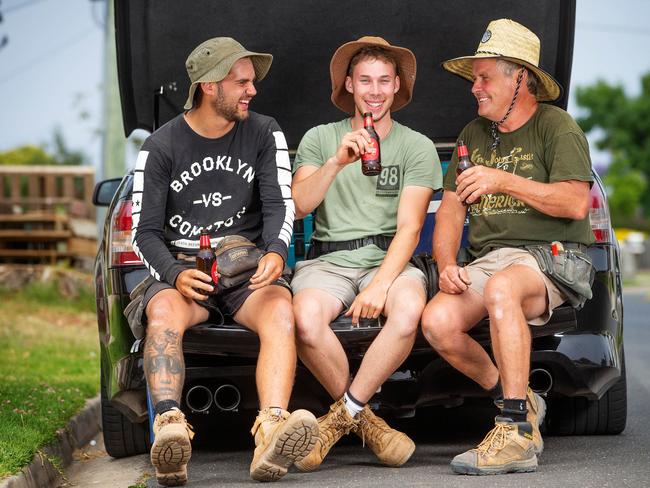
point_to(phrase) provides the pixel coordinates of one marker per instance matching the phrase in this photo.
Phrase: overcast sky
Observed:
(51, 68)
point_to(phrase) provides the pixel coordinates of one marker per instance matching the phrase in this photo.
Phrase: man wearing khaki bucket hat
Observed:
(366, 230)
(222, 168)
(528, 188)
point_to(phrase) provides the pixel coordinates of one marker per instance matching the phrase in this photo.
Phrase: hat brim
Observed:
(261, 65)
(406, 70)
(548, 89)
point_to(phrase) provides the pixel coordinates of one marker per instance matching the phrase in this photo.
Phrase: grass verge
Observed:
(49, 367)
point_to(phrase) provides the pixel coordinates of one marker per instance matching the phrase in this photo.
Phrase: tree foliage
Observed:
(35, 155)
(622, 123)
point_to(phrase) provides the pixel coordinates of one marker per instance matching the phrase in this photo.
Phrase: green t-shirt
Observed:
(549, 147)
(357, 206)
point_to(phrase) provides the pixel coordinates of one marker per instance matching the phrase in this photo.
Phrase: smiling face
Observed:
(373, 83)
(235, 92)
(492, 88)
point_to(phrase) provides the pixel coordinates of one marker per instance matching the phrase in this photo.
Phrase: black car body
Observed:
(577, 359)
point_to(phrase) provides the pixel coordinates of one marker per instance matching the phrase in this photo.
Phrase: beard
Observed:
(224, 108)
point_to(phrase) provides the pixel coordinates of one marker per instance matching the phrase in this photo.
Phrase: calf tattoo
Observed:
(164, 365)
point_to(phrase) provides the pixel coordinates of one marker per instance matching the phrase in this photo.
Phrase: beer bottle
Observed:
(463, 158)
(205, 261)
(371, 159)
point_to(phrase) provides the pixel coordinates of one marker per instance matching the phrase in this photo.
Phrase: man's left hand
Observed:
(477, 181)
(368, 304)
(269, 269)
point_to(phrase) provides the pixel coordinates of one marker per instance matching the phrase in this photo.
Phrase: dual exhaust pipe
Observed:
(200, 398)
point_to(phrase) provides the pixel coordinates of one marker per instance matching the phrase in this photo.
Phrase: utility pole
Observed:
(114, 142)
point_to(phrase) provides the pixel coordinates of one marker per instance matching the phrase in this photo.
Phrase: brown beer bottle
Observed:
(371, 159)
(463, 158)
(205, 261)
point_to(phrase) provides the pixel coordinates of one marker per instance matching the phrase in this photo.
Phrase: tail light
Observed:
(599, 215)
(121, 250)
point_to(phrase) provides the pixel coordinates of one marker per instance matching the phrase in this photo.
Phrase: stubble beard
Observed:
(223, 109)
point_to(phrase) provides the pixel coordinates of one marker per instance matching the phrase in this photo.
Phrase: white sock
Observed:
(351, 405)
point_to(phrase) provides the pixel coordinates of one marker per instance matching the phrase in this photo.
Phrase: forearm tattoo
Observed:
(164, 365)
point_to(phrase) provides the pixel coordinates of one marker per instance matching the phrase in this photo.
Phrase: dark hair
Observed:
(372, 52)
(507, 67)
(198, 96)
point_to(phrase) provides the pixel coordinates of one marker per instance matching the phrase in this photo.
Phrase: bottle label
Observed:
(214, 273)
(372, 152)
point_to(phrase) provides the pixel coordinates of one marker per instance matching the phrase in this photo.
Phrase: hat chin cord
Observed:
(494, 132)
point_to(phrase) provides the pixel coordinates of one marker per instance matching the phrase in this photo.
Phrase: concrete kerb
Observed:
(41, 473)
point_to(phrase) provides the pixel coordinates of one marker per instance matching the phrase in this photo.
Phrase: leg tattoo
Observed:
(164, 365)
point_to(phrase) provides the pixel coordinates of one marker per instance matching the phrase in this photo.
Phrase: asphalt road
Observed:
(583, 461)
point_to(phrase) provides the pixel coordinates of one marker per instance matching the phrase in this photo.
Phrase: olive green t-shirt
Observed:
(356, 205)
(549, 147)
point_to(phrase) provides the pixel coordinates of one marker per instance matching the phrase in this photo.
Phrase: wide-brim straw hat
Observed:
(212, 60)
(509, 40)
(406, 69)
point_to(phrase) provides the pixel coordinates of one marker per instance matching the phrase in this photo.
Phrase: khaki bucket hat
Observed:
(507, 39)
(212, 59)
(406, 69)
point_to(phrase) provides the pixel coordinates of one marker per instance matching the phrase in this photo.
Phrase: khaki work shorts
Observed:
(483, 268)
(339, 281)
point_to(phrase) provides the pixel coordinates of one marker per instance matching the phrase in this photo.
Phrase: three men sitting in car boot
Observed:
(366, 230)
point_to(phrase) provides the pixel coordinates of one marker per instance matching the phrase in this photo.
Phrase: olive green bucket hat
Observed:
(212, 60)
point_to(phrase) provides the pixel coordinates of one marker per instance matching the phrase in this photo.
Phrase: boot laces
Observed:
(495, 440)
(175, 417)
(338, 426)
(372, 429)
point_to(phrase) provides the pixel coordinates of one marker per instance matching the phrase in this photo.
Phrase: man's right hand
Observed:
(352, 146)
(454, 279)
(189, 281)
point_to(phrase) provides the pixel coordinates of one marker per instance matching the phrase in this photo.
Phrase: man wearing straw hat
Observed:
(366, 229)
(221, 167)
(529, 186)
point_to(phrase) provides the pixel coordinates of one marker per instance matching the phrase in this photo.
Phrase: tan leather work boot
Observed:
(508, 448)
(536, 412)
(280, 440)
(392, 447)
(171, 449)
(331, 427)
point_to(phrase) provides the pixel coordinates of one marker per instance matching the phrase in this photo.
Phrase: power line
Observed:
(58, 49)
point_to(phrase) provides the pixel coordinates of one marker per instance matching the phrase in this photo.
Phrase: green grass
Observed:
(49, 367)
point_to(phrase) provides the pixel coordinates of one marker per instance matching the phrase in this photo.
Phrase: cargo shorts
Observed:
(339, 281)
(481, 269)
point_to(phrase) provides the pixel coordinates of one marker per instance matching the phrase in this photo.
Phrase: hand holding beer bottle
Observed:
(206, 262)
(371, 159)
(463, 159)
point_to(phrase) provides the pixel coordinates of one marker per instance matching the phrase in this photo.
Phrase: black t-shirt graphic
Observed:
(237, 184)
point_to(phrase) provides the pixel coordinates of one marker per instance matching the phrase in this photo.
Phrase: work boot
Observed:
(508, 448)
(536, 412)
(393, 448)
(331, 427)
(280, 440)
(171, 449)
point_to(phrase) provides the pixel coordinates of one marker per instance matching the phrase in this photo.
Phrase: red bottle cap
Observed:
(204, 240)
(462, 149)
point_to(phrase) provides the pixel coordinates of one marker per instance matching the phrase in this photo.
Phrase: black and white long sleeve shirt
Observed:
(237, 184)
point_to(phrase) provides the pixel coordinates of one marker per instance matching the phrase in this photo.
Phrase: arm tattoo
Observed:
(164, 365)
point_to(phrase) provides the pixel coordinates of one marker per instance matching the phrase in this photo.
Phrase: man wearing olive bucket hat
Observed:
(366, 230)
(220, 167)
(528, 188)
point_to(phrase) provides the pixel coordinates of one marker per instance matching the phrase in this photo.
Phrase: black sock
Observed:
(496, 392)
(515, 409)
(165, 406)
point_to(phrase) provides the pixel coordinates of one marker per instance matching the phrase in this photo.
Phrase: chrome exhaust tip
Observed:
(199, 399)
(227, 397)
(540, 380)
